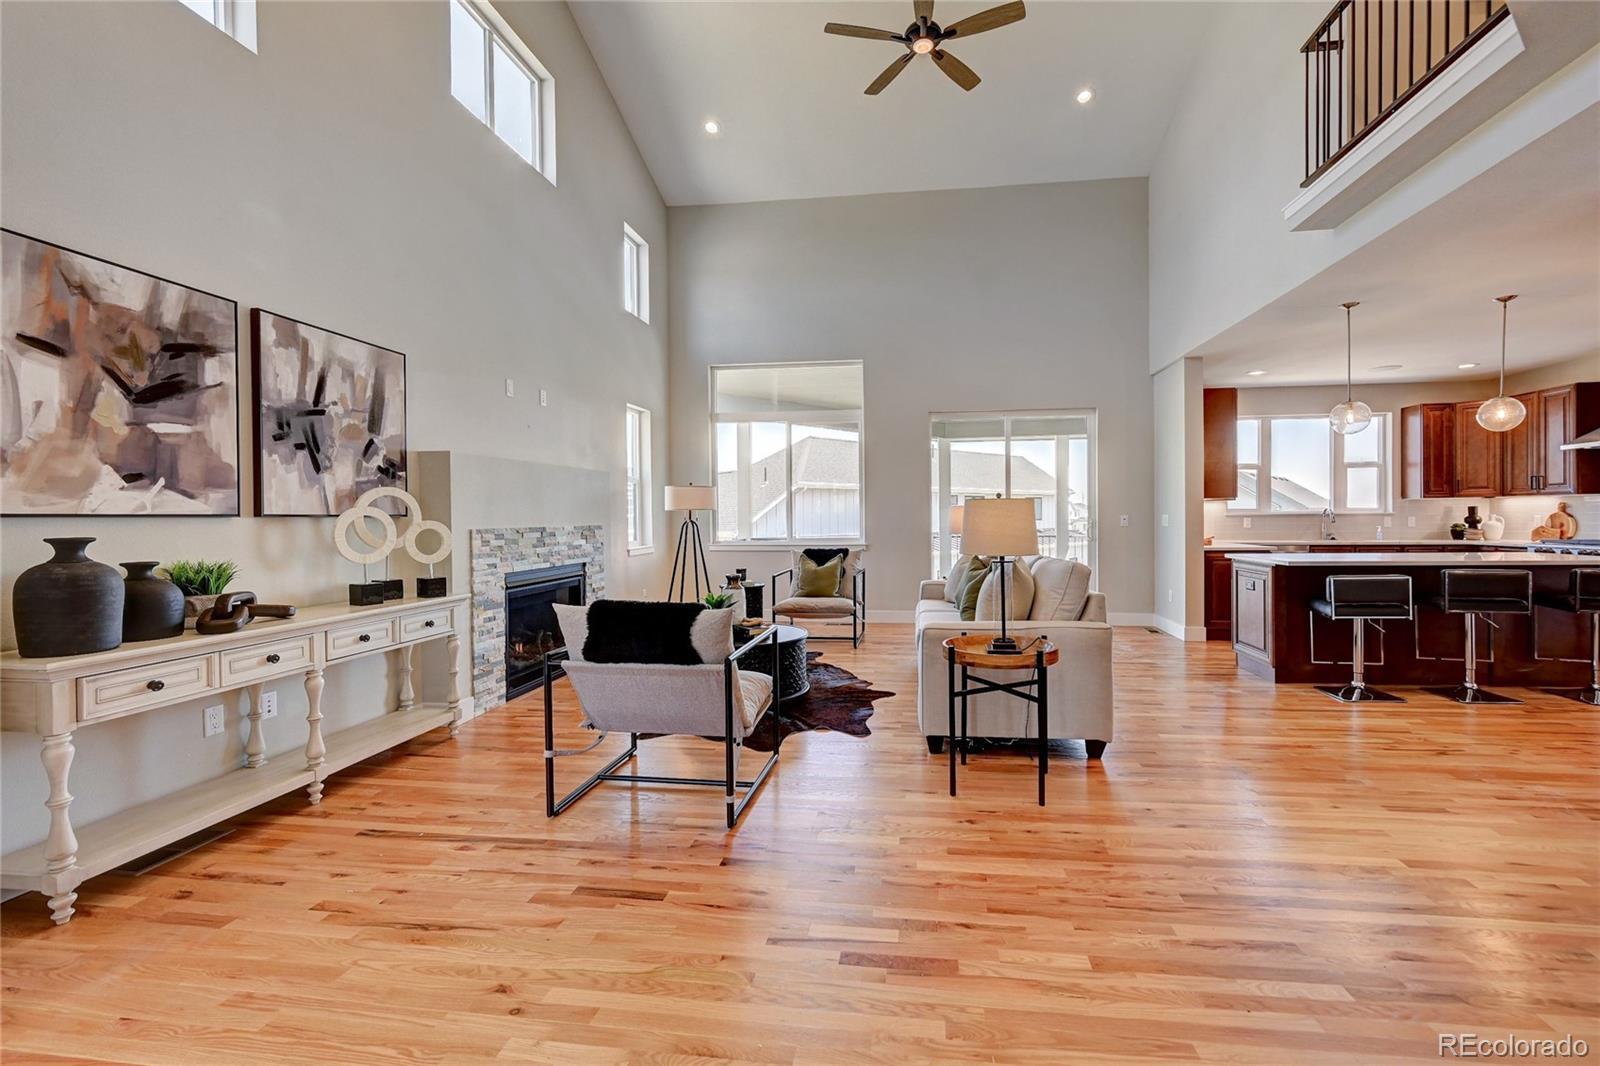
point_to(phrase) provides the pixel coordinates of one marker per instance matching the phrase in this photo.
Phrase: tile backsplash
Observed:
(1433, 517)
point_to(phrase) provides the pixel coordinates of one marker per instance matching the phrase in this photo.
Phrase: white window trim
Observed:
(544, 83)
(855, 418)
(1337, 467)
(644, 494)
(639, 293)
(236, 18)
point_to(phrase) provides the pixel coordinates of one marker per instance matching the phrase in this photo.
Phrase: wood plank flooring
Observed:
(1252, 875)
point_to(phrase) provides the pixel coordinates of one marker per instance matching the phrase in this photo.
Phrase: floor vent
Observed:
(1152, 629)
(178, 848)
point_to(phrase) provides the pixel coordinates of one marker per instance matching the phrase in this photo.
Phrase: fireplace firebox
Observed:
(531, 629)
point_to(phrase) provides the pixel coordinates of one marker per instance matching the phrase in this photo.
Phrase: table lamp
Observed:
(691, 554)
(1000, 529)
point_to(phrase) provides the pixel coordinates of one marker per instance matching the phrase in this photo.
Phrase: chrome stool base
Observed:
(1470, 694)
(1589, 695)
(1358, 694)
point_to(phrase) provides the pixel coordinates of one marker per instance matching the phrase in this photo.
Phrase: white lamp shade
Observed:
(691, 498)
(955, 520)
(999, 527)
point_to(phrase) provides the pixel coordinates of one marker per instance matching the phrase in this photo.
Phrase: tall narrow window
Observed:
(639, 494)
(496, 77)
(635, 274)
(236, 18)
(787, 443)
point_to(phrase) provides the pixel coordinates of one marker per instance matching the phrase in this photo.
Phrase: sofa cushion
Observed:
(1060, 588)
(958, 567)
(814, 607)
(815, 579)
(967, 598)
(936, 611)
(755, 692)
(1019, 593)
(976, 566)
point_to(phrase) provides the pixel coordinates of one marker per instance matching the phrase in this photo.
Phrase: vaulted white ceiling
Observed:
(796, 124)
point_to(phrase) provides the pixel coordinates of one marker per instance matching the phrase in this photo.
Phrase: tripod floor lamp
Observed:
(691, 549)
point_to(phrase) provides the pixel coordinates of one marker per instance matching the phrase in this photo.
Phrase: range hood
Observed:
(1590, 439)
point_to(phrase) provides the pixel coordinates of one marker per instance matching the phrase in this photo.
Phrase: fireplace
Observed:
(531, 629)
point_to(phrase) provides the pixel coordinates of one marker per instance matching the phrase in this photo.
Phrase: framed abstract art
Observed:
(119, 390)
(330, 418)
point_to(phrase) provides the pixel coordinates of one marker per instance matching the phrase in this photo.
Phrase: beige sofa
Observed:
(1064, 611)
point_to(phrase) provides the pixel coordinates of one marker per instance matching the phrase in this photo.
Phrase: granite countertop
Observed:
(1513, 560)
(1444, 543)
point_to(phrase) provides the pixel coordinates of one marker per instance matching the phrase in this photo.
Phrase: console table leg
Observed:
(452, 650)
(408, 692)
(61, 844)
(255, 745)
(316, 750)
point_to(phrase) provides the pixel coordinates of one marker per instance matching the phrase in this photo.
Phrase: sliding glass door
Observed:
(1047, 457)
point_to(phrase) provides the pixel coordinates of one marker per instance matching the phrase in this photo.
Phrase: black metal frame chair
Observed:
(858, 607)
(731, 745)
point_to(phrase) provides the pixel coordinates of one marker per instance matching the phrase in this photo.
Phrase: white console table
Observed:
(55, 697)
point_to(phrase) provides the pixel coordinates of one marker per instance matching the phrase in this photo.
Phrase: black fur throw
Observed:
(820, 556)
(634, 631)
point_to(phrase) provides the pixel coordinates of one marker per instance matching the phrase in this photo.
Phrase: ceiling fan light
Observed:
(1501, 413)
(1352, 416)
(922, 45)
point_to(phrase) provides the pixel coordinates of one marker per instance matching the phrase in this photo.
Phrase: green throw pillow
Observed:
(971, 585)
(814, 580)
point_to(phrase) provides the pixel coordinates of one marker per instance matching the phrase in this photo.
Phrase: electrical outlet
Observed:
(1411, 521)
(544, 398)
(214, 721)
(1247, 523)
(1165, 521)
(269, 704)
(511, 387)
(1124, 520)
(1388, 519)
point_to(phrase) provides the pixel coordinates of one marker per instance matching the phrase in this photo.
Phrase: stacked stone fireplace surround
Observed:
(498, 552)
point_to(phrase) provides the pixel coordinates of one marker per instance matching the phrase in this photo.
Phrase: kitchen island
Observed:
(1277, 636)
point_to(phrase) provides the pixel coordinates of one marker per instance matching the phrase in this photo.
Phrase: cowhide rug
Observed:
(839, 701)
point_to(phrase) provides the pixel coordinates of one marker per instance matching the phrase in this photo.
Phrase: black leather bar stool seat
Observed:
(1582, 597)
(1472, 593)
(1359, 599)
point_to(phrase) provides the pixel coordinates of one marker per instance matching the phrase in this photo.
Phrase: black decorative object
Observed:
(431, 588)
(1473, 519)
(152, 606)
(755, 599)
(70, 605)
(633, 631)
(791, 652)
(394, 588)
(366, 594)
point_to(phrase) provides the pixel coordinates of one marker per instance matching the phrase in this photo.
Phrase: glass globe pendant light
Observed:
(1352, 416)
(1503, 412)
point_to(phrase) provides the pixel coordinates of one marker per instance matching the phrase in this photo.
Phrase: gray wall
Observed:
(332, 177)
(1010, 299)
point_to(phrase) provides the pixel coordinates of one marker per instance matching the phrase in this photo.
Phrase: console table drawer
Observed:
(425, 624)
(259, 661)
(134, 689)
(353, 640)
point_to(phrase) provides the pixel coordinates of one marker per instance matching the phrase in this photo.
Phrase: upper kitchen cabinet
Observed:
(1477, 455)
(1445, 453)
(1535, 461)
(1427, 451)
(1221, 422)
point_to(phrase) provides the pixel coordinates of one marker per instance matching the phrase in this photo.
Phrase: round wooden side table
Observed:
(971, 651)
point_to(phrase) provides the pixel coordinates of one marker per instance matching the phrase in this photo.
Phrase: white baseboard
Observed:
(469, 708)
(1174, 629)
(891, 616)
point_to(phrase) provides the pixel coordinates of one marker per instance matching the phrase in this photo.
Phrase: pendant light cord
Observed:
(1349, 387)
(1505, 312)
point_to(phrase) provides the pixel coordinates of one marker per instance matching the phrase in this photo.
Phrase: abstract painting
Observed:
(119, 390)
(330, 418)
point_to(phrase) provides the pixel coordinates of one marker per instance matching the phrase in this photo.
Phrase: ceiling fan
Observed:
(925, 37)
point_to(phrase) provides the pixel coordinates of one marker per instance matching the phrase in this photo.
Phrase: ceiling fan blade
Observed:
(959, 72)
(889, 74)
(845, 30)
(992, 19)
(923, 9)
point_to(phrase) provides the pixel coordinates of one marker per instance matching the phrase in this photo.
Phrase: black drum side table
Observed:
(792, 653)
(970, 651)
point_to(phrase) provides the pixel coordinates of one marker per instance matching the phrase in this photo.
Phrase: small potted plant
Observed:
(202, 581)
(1458, 531)
(718, 600)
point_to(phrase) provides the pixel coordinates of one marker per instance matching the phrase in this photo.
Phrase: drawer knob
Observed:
(428, 624)
(155, 686)
(365, 638)
(274, 657)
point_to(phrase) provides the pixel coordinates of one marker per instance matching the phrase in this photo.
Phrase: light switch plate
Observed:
(511, 387)
(544, 398)
(214, 721)
(1165, 521)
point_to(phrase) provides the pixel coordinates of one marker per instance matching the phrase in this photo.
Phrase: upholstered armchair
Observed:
(713, 699)
(848, 603)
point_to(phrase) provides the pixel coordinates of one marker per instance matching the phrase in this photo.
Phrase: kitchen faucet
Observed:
(1328, 521)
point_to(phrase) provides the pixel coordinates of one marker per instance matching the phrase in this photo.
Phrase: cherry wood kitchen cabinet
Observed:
(1221, 425)
(1427, 451)
(1478, 454)
(1535, 463)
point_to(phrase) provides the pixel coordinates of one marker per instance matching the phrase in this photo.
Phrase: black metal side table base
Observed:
(1034, 690)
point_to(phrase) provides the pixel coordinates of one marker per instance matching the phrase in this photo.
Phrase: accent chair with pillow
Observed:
(825, 585)
(1047, 598)
(660, 668)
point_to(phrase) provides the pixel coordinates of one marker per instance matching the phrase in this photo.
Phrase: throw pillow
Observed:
(958, 569)
(631, 631)
(1019, 594)
(814, 580)
(820, 556)
(970, 588)
(1061, 587)
(712, 633)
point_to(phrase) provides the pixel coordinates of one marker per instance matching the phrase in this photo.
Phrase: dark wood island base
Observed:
(1279, 638)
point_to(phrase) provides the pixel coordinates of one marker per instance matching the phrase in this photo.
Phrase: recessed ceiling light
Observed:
(1254, 373)
(1085, 95)
(1388, 366)
(1465, 366)
(713, 127)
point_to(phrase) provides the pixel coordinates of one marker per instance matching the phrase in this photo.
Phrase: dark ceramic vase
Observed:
(67, 606)
(153, 606)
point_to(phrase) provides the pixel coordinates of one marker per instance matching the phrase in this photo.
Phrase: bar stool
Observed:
(1481, 592)
(1363, 598)
(1581, 597)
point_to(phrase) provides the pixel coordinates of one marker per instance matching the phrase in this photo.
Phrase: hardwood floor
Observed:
(1251, 875)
